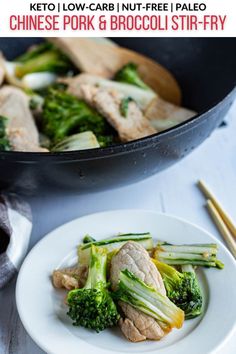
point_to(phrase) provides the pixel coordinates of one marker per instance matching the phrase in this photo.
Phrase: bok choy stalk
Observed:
(135, 292)
(37, 81)
(42, 58)
(114, 244)
(37, 68)
(81, 141)
(195, 254)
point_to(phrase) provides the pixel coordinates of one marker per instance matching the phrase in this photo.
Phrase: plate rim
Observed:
(99, 214)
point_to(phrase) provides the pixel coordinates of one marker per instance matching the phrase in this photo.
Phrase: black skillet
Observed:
(206, 71)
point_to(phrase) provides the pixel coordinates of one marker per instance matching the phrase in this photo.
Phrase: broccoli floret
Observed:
(129, 75)
(182, 288)
(59, 86)
(92, 306)
(135, 292)
(106, 140)
(44, 57)
(4, 141)
(196, 254)
(64, 115)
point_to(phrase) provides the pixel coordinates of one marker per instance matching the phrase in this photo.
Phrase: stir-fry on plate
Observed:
(44, 308)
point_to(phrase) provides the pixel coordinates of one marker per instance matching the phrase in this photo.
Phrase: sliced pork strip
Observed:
(130, 331)
(142, 97)
(87, 93)
(61, 280)
(133, 126)
(75, 82)
(135, 258)
(89, 55)
(108, 102)
(21, 129)
(161, 114)
(70, 278)
(146, 325)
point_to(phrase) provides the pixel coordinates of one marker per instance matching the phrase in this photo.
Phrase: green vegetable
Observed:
(92, 306)
(36, 101)
(80, 141)
(135, 292)
(44, 57)
(197, 254)
(4, 141)
(114, 244)
(34, 51)
(64, 115)
(107, 140)
(124, 106)
(129, 75)
(59, 86)
(182, 288)
(33, 104)
(88, 238)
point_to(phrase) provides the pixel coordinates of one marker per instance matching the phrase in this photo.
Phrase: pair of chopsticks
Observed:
(221, 219)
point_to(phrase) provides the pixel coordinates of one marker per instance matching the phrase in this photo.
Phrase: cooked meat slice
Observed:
(85, 53)
(19, 139)
(86, 92)
(74, 83)
(21, 129)
(133, 126)
(142, 97)
(108, 103)
(135, 258)
(146, 325)
(130, 331)
(70, 278)
(164, 115)
(61, 280)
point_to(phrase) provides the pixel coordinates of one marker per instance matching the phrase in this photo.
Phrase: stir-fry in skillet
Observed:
(129, 282)
(47, 103)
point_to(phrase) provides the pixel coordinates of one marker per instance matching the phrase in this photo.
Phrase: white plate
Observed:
(44, 316)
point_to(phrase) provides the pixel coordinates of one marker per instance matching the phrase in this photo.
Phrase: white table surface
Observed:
(173, 191)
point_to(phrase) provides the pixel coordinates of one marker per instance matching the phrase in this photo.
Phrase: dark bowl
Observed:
(206, 71)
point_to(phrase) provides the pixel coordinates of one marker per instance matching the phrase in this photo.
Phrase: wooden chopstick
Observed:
(221, 226)
(226, 218)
